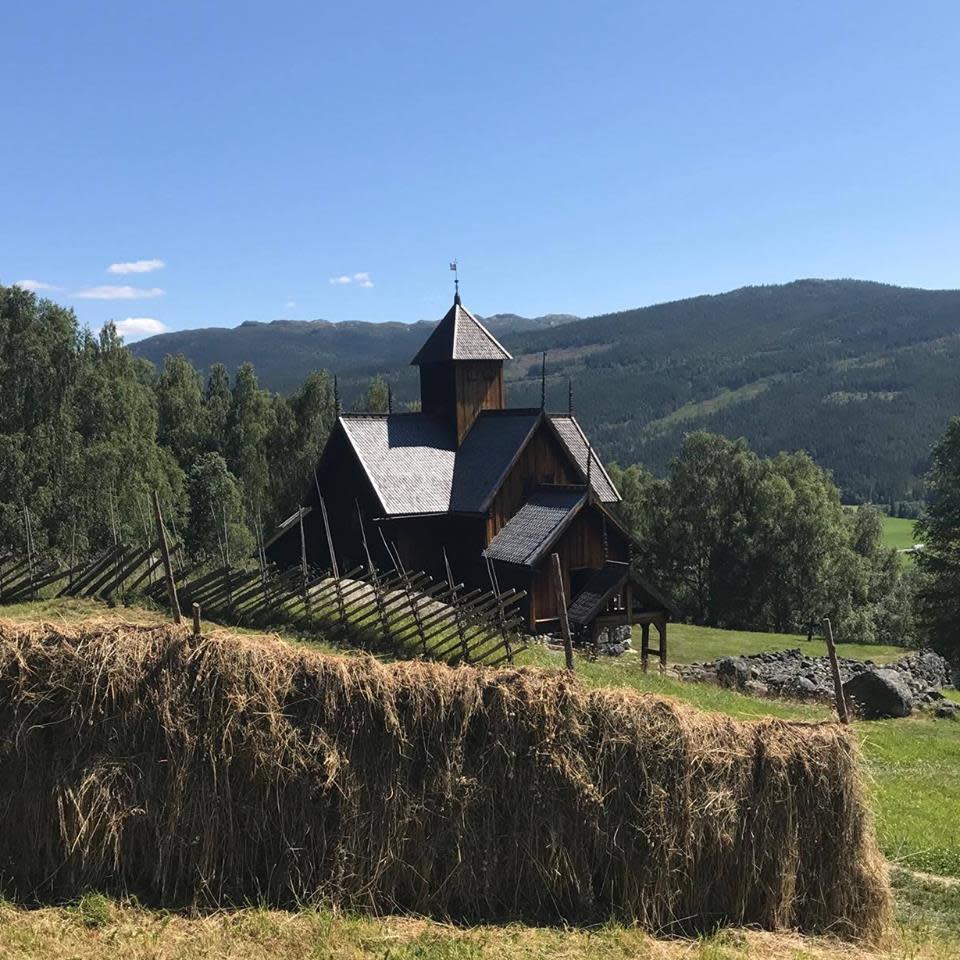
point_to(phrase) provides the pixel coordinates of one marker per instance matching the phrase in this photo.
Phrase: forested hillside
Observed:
(861, 375)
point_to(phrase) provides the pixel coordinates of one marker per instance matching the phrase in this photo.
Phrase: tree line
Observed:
(87, 431)
(747, 542)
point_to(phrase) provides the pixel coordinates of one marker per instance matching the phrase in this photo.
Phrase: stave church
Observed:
(470, 486)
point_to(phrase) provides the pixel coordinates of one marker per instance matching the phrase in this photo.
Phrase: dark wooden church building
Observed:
(484, 485)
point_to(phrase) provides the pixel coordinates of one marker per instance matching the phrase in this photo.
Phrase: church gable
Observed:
(543, 460)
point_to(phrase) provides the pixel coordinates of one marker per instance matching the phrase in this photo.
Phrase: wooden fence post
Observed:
(835, 668)
(196, 619)
(167, 565)
(338, 586)
(562, 604)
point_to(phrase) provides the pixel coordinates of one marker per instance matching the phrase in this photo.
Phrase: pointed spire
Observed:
(543, 381)
(570, 396)
(456, 283)
(589, 463)
(336, 396)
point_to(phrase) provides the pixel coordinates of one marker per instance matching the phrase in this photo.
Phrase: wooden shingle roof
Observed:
(592, 599)
(536, 526)
(407, 457)
(414, 466)
(460, 336)
(575, 440)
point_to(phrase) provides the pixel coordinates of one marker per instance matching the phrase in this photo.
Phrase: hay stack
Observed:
(218, 771)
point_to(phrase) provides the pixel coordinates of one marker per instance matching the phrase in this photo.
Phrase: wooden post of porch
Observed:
(662, 630)
(645, 646)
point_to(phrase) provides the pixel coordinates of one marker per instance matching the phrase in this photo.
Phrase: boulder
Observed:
(732, 672)
(879, 693)
(947, 710)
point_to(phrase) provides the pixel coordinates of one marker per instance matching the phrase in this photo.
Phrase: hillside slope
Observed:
(863, 375)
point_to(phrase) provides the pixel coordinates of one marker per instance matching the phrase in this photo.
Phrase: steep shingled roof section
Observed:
(488, 451)
(592, 599)
(460, 336)
(575, 441)
(408, 458)
(535, 527)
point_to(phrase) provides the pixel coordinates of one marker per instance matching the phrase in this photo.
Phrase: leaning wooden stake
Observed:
(835, 668)
(562, 604)
(167, 565)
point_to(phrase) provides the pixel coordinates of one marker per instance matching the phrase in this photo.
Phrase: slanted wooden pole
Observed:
(303, 562)
(562, 604)
(196, 619)
(835, 669)
(167, 565)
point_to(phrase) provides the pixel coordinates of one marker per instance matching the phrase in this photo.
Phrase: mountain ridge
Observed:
(859, 373)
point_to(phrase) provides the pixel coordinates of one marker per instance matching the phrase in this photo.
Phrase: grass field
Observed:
(914, 771)
(898, 533)
(688, 644)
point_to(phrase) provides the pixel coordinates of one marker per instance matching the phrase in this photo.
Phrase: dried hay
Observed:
(140, 760)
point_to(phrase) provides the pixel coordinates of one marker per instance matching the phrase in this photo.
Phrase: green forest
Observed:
(740, 539)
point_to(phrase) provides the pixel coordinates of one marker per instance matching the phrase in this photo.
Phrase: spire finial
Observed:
(336, 396)
(589, 462)
(543, 381)
(456, 282)
(570, 396)
(389, 399)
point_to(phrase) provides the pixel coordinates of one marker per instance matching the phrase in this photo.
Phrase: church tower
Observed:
(461, 369)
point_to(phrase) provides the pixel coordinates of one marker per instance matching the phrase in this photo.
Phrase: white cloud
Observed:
(290, 304)
(133, 328)
(360, 279)
(35, 285)
(108, 292)
(136, 266)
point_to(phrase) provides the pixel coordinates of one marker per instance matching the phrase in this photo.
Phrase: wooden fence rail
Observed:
(407, 614)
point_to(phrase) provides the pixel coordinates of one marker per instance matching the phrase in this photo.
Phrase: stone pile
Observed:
(614, 641)
(889, 690)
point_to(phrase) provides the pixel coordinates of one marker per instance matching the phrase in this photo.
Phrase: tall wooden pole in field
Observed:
(167, 565)
(562, 604)
(835, 669)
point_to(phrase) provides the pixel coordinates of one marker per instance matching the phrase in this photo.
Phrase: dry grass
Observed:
(140, 761)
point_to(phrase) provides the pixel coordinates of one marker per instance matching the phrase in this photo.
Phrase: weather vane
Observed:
(456, 280)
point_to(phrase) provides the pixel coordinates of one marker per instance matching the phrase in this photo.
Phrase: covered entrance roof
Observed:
(591, 602)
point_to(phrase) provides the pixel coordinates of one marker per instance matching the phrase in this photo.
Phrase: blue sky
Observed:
(574, 157)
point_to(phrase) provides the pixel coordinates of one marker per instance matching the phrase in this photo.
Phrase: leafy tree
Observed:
(217, 400)
(217, 529)
(756, 543)
(248, 425)
(939, 559)
(376, 399)
(181, 425)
